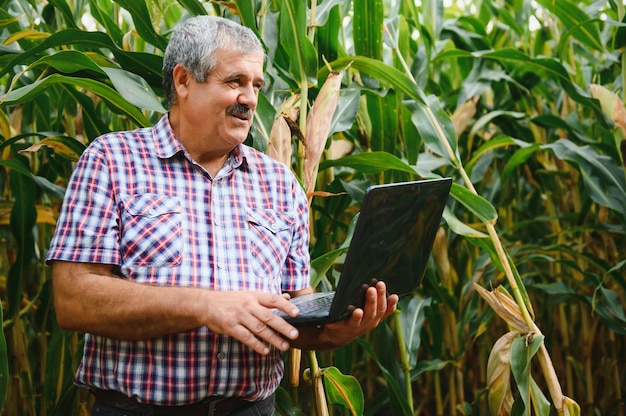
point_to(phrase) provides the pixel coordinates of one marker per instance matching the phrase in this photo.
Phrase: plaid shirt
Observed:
(137, 200)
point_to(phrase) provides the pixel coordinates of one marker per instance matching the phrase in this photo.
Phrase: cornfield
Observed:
(521, 310)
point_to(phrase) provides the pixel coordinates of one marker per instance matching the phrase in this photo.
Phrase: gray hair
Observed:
(194, 46)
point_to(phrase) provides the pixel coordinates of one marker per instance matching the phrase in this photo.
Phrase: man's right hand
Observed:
(248, 317)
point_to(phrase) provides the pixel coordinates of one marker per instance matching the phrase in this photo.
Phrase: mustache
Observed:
(239, 109)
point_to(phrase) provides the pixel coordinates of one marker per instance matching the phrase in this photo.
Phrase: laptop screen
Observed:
(393, 239)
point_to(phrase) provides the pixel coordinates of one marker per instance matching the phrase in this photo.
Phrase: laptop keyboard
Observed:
(315, 304)
(311, 303)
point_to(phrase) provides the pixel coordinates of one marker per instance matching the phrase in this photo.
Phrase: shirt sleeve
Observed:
(87, 229)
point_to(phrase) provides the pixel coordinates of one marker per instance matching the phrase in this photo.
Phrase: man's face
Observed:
(222, 108)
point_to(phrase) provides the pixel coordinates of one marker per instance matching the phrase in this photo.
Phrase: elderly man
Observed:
(176, 243)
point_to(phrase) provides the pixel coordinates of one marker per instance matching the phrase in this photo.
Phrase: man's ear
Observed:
(181, 79)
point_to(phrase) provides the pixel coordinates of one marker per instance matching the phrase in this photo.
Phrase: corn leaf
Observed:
(523, 350)
(344, 390)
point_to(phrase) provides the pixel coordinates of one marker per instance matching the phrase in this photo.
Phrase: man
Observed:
(176, 242)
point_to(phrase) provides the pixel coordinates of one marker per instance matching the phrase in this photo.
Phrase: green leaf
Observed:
(134, 89)
(65, 10)
(381, 71)
(400, 406)
(581, 26)
(432, 122)
(147, 65)
(99, 10)
(368, 28)
(603, 178)
(383, 113)
(425, 366)
(460, 228)
(521, 356)
(247, 14)
(540, 403)
(94, 125)
(112, 97)
(262, 124)
(369, 163)
(412, 319)
(549, 67)
(519, 157)
(320, 265)
(194, 7)
(478, 205)
(301, 52)
(143, 23)
(344, 390)
(16, 166)
(344, 115)
(491, 145)
(70, 61)
(23, 219)
(285, 404)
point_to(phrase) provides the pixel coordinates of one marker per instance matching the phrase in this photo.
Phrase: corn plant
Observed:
(522, 103)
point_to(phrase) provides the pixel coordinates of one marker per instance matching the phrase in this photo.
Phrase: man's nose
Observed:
(248, 96)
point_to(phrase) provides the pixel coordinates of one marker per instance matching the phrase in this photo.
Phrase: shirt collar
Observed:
(167, 145)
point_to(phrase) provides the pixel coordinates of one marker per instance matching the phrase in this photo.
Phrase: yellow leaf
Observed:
(56, 145)
(26, 34)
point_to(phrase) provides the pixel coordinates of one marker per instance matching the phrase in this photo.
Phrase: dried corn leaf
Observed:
(318, 127)
(500, 397)
(464, 114)
(506, 308)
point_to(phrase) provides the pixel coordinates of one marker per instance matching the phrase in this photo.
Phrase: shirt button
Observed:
(221, 355)
(151, 211)
(274, 227)
(220, 264)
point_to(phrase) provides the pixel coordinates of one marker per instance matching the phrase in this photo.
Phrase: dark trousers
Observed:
(263, 408)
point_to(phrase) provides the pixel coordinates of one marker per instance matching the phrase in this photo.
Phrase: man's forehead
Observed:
(232, 62)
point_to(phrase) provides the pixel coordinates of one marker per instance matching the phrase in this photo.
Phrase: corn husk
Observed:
(611, 104)
(279, 144)
(500, 397)
(318, 127)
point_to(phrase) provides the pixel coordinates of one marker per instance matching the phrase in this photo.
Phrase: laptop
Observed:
(392, 241)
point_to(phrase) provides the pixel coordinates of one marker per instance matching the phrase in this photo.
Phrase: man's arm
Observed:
(378, 306)
(90, 298)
